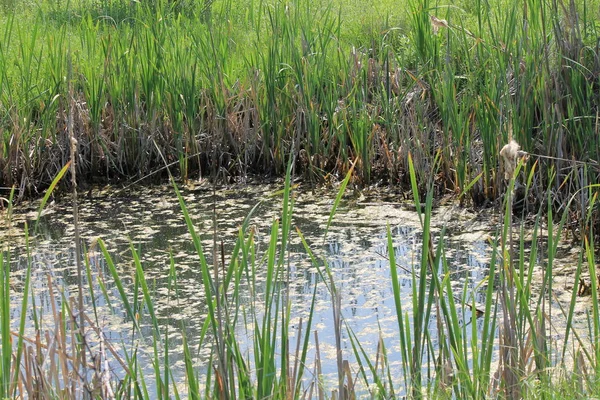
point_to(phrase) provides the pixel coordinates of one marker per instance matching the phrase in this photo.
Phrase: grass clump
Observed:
(245, 88)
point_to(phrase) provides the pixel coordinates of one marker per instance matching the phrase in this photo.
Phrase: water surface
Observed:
(355, 250)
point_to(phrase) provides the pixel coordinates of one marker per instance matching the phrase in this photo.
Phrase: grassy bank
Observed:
(510, 346)
(229, 89)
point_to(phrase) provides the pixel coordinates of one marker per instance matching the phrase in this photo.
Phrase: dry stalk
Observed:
(107, 344)
(73, 142)
(106, 388)
(510, 362)
(349, 392)
(51, 365)
(318, 369)
(293, 384)
(336, 301)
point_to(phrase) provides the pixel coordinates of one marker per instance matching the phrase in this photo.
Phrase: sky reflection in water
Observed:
(355, 250)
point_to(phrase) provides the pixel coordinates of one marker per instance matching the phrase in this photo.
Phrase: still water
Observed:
(150, 220)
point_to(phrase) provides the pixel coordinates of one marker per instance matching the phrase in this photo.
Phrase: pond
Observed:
(150, 220)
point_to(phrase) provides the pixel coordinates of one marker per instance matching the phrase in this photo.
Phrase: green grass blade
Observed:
(55, 181)
(338, 198)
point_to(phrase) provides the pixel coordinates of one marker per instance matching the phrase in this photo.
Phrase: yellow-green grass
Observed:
(228, 89)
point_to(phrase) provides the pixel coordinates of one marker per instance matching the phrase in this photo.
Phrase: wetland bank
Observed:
(185, 297)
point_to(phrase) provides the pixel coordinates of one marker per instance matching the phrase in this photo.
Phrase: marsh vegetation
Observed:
(267, 313)
(418, 96)
(219, 88)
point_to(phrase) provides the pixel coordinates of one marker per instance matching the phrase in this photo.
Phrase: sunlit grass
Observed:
(366, 91)
(239, 89)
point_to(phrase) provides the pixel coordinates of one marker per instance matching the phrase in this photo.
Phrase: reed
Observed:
(246, 90)
(450, 345)
(447, 79)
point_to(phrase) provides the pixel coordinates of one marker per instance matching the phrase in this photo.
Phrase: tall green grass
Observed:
(513, 355)
(246, 87)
